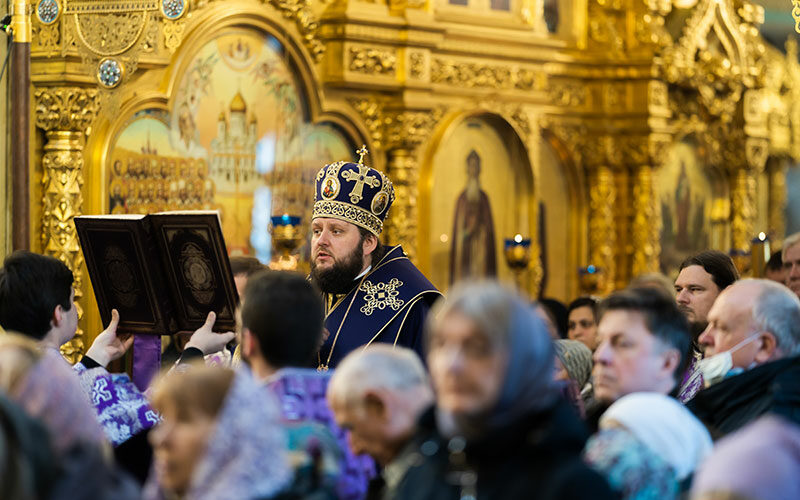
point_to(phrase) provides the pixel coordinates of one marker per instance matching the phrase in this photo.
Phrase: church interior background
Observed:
(613, 135)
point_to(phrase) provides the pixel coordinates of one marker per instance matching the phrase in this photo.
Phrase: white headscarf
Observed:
(665, 426)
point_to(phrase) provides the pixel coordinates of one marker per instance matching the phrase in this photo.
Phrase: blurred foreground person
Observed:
(27, 462)
(281, 328)
(81, 468)
(219, 437)
(648, 446)
(499, 430)
(759, 462)
(377, 394)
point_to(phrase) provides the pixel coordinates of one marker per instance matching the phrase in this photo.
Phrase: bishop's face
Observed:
(337, 254)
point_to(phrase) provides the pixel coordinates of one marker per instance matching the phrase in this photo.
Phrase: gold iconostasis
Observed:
(618, 137)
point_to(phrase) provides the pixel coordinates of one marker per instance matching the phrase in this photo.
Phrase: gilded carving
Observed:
(572, 136)
(173, 34)
(470, 74)
(569, 94)
(777, 199)
(46, 38)
(65, 114)
(373, 61)
(743, 203)
(416, 65)
(602, 230)
(401, 224)
(646, 223)
(372, 114)
(300, 12)
(110, 34)
(405, 132)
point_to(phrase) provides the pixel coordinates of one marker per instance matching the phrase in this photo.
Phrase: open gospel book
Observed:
(163, 272)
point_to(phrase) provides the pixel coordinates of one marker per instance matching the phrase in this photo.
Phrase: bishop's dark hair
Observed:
(285, 313)
(380, 249)
(31, 286)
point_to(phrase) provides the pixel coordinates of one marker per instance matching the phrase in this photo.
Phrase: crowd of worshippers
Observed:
(663, 390)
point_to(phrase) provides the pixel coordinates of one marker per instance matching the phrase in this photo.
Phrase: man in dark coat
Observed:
(752, 365)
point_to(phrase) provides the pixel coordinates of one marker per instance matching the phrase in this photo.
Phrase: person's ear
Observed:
(767, 348)
(250, 346)
(374, 405)
(58, 316)
(370, 244)
(672, 359)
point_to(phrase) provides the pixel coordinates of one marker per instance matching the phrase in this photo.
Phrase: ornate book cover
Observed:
(163, 272)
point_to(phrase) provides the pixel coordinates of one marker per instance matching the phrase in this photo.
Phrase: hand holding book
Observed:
(108, 346)
(208, 341)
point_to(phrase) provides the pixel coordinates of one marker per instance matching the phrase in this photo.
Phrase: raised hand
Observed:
(109, 346)
(207, 340)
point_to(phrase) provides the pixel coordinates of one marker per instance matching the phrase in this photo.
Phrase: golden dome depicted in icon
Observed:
(238, 104)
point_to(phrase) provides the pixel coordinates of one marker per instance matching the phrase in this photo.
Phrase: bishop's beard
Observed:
(338, 278)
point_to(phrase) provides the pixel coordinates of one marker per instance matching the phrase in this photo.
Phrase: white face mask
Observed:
(718, 366)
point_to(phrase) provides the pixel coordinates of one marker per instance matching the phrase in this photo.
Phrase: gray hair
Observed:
(777, 310)
(512, 326)
(790, 241)
(379, 366)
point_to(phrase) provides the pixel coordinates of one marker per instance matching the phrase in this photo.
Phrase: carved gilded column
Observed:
(64, 113)
(646, 222)
(743, 205)
(405, 132)
(402, 221)
(776, 220)
(602, 231)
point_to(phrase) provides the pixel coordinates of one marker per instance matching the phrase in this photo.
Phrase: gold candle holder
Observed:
(590, 279)
(286, 238)
(759, 255)
(517, 251)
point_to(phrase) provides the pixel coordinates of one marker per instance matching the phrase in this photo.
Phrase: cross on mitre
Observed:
(361, 153)
(361, 177)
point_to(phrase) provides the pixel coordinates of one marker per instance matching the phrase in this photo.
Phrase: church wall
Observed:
(555, 200)
(793, 200)
(400, 77)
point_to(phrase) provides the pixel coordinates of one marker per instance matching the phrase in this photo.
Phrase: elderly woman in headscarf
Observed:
(648, 446)
(499, 429)
(573, 367)
(219, 437)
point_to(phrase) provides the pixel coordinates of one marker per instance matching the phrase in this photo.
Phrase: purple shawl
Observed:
(122, 410)
(246, 453)
(52, 393)
(301, 392)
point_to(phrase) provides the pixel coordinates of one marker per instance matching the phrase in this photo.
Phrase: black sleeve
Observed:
(89, 363)
(190, 354)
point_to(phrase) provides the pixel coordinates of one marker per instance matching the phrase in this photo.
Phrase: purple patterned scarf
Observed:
(301, 392)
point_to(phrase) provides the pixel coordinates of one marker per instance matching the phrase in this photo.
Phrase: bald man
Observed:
(751, 347)
(377, 394)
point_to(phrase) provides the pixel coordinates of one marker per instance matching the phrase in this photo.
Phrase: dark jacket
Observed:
(736, 401)
(536, 457)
